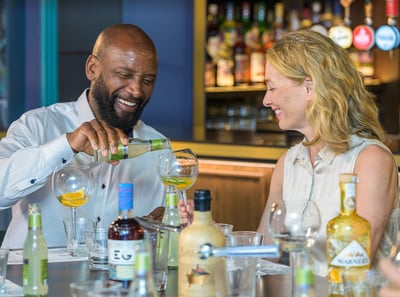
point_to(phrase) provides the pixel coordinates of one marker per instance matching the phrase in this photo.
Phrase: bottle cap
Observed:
(202, 200)
(125, 195)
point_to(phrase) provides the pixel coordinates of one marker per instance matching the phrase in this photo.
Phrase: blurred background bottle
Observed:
(124, 234)
(35, 263)
(172, 217)
(144, 285)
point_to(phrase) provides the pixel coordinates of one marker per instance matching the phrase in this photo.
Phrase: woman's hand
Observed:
(391, 272)
(186, 211)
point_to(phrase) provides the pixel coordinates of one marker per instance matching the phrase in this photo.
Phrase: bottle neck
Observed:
(171, 197)
(126, 213)
(202, 217)
(348, 197)
(35, 221)
(125, 200)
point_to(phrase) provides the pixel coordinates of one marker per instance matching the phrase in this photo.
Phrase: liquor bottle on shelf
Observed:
(241, 61)
(144, 285)
(135, 148)
(229, 25)
(209, 71)
(306, 19)
(172, 218)
(294, 20)
(213, 36)
(225, 66)
(124, 235)
(257, 54)
(196, 277)
(245, 22)
(34, 271)
(317, 24)
(327, 15)
(348, 237)
(279, 29)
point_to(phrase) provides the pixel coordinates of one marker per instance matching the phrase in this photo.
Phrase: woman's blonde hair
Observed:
(341, 106)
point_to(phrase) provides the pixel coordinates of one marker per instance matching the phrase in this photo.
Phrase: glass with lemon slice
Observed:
(73, 185)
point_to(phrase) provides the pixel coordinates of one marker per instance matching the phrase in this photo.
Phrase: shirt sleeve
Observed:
(24, 170)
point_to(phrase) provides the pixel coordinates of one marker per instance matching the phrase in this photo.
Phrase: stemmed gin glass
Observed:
(294, 225)
(178, 168)
(73, 186)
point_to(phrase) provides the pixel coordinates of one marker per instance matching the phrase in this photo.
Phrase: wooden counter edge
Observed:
(239, 152)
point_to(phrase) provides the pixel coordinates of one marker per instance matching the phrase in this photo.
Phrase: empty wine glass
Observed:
(178, 168)
(294, 225)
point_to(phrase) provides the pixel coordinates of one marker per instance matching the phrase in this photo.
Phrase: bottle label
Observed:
(122, 153)
(157, 144)
(122, 258)
(353, 255)
(242, 67)
(35, 221)
(349, 201)
(198, 276)
(34, 275)
(257, 67)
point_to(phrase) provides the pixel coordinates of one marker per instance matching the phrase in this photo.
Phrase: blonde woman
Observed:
(314, 88)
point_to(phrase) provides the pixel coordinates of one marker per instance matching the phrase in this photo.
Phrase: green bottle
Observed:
(135, 148)
(34, 271)
(172, 217)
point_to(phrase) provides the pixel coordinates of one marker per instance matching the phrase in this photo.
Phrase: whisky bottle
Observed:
(172, 218)
(241, 61)
(348, 237)
(124, 235)
(135, 148)
(34, 271)
(196, 277)
(143, 286)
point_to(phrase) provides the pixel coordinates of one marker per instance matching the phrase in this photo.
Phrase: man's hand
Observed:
(94, 135)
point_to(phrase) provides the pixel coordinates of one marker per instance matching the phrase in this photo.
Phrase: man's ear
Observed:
(92, 67)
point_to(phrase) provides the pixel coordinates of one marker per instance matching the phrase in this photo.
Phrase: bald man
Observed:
(122, 70)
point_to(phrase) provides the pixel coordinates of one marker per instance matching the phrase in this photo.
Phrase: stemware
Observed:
(73, 185)
(294, 225)
(180, 169)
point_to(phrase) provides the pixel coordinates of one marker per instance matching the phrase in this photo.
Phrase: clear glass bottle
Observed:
(143, 286)
(124, 234)
(34, 271)
(196, 277)
(135, 148)
(348, 237)
(172, 218)
(305, 284)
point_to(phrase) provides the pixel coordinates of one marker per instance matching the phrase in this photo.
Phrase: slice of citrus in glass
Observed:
(74, 199)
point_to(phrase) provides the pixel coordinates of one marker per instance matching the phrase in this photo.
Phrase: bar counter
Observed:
(61, 274)
(260, 153)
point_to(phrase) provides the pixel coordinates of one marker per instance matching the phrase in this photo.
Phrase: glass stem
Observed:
(293, 263)
(73, 214)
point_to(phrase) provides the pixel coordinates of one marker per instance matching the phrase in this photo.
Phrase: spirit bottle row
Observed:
(240, 33)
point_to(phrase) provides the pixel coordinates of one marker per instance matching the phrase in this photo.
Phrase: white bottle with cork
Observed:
(196, 277)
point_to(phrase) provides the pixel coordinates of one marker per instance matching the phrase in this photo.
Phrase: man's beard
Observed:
(106, 110)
